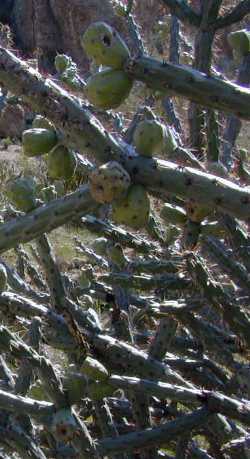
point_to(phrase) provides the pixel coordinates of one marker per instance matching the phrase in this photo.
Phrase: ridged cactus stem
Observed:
(237, 448)
(121, 319)
(19, 286)
(19, 405)
(154, 228)
(116, 234)
(236, 317)
(238, 238)
(52, 272)
(214, 401)
(20, 262)
(106, 423)
(58, 293)
(210, 92)
(125, 358)
(202, 62)
(53, 386)
(213, 136)
(157, 350)
(161, 174)
(174, 57)
(183, 11)
(163, 336)
(186, 182)
(6, 375)
(29, 267)
(26, 374)
(20, 350)
(45, 218)
(146, 282)
(233, 125)
(156, 436)
(237, 272)
(18, 440)
(154, 266)
(93, 257)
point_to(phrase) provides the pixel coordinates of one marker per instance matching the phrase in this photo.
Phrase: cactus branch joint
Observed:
(84, 132)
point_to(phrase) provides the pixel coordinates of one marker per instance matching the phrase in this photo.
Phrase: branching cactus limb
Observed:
(233, 125)
(211, 92)
(17, 284)
(46, 218)
(26, 374)
(236, 270)
(104, 146)
(174, 56)
(183, 11)
(20, 442)
(157, 436)
(54, 388)
(119, 235)
(238, 238)
(236, 317)
(106, 422)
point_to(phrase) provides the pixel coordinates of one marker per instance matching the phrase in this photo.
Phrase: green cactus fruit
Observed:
(22, 193)
(94, 369)
(62, 62)
(174, 215)
(38, 142)
(41, 122)
(48, 193)
(108, 182)
(3, 278)
(134, 209)
(148, 137)
(99, 246)
(108, 89)
(61, 163)
(103, 43)
(240, 41)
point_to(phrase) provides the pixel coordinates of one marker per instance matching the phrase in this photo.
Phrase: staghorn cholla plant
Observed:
(155, 338)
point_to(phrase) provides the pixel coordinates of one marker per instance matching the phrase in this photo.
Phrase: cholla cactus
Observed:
(149, 333)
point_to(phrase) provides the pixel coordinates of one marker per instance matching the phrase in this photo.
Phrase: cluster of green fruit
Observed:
(108, 88)
(25, 194)
(110, 183)
(43, 139)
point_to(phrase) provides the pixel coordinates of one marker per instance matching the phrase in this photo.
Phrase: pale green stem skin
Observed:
(84, 132)
(208, 91)
(45, 218)
(154, 437)
(23, 444)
